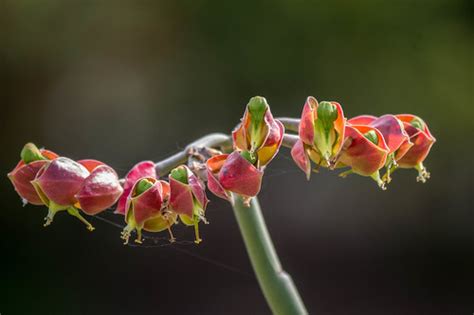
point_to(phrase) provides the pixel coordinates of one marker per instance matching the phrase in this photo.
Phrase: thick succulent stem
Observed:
(277, 286)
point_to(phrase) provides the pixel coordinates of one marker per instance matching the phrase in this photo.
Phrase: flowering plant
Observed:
(153, 197)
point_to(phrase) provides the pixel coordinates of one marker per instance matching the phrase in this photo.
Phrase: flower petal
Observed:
(60, 180)
(142, 169)
(306, 129)
(362, 155)
(240, 176)
(100, 190)
(298, 153)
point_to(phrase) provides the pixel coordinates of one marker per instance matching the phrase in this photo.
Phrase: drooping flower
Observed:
(188, 198)
(235, 172)
(145, 209)
(87, 185)
(321, 134)
(394, 135)
(365, 152)
(259, 133)
(422, 140)
(100, 190)
(141, 169)
(32, 160)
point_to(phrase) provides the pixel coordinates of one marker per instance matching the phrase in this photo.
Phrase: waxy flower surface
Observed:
(365, 152)
(259, 133)
(188, 198)
(32, 160)
(422, 140)
(321, 134)
(394, 134)
(89, 185)
(144, 202)
(146, 208)
(233, 172)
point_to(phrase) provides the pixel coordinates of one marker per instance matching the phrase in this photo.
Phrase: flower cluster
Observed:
(364, 143)
(61, 184)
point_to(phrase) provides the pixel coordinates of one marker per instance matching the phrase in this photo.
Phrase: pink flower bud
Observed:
(321, 133)
(259, 133)
(422, 140)
(60, 180)
(233, 173)
(22, 175)
(188, 198)
(89, 185)
(99, 191)
(365, 152)
(394, 135)
(142, 169)
(146, 201)
(184, 195)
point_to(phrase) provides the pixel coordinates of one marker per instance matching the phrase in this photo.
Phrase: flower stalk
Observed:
(277, 286)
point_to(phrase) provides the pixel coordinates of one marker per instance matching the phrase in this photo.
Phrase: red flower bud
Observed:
(394, 135)
(142, 169)
(145, 207)
(60, 180)
(64, 184)
(99, 191)
(259, 133)
(365, 151)
(233, 173)
(188, 198)
(23, 173)
(422, 140)
(321, 133)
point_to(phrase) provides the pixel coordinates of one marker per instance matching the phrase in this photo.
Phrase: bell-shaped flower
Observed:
(141, 169)
(422, 140)
(234, 173)
(188, 198)
(87, 185)
(32, 160)
(394, 135)
(321, 134)
(145, 208)
(364, 151)
(259, 133)
(100, 190)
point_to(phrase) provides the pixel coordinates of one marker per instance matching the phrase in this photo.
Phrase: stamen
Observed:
(75, 213)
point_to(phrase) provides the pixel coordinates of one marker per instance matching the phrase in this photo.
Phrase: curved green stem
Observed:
(277, 285)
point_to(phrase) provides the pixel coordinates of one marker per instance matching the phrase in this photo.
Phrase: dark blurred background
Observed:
(133, 80)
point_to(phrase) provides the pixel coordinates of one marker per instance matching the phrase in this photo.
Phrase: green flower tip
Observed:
(180, 174)
(257, 106)
(142, 186)
(249, 156)
(372, 136)
(418, 123)
(31, 153)
(327, 113)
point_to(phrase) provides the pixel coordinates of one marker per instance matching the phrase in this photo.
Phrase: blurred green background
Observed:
(123, 81)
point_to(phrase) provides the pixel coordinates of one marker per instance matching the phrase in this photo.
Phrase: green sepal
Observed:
(371, 135)
(180, 174)
(327, 114)
(257, 108)
(31, 153)
(249, 156)
(142, 186)
(418, 123)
